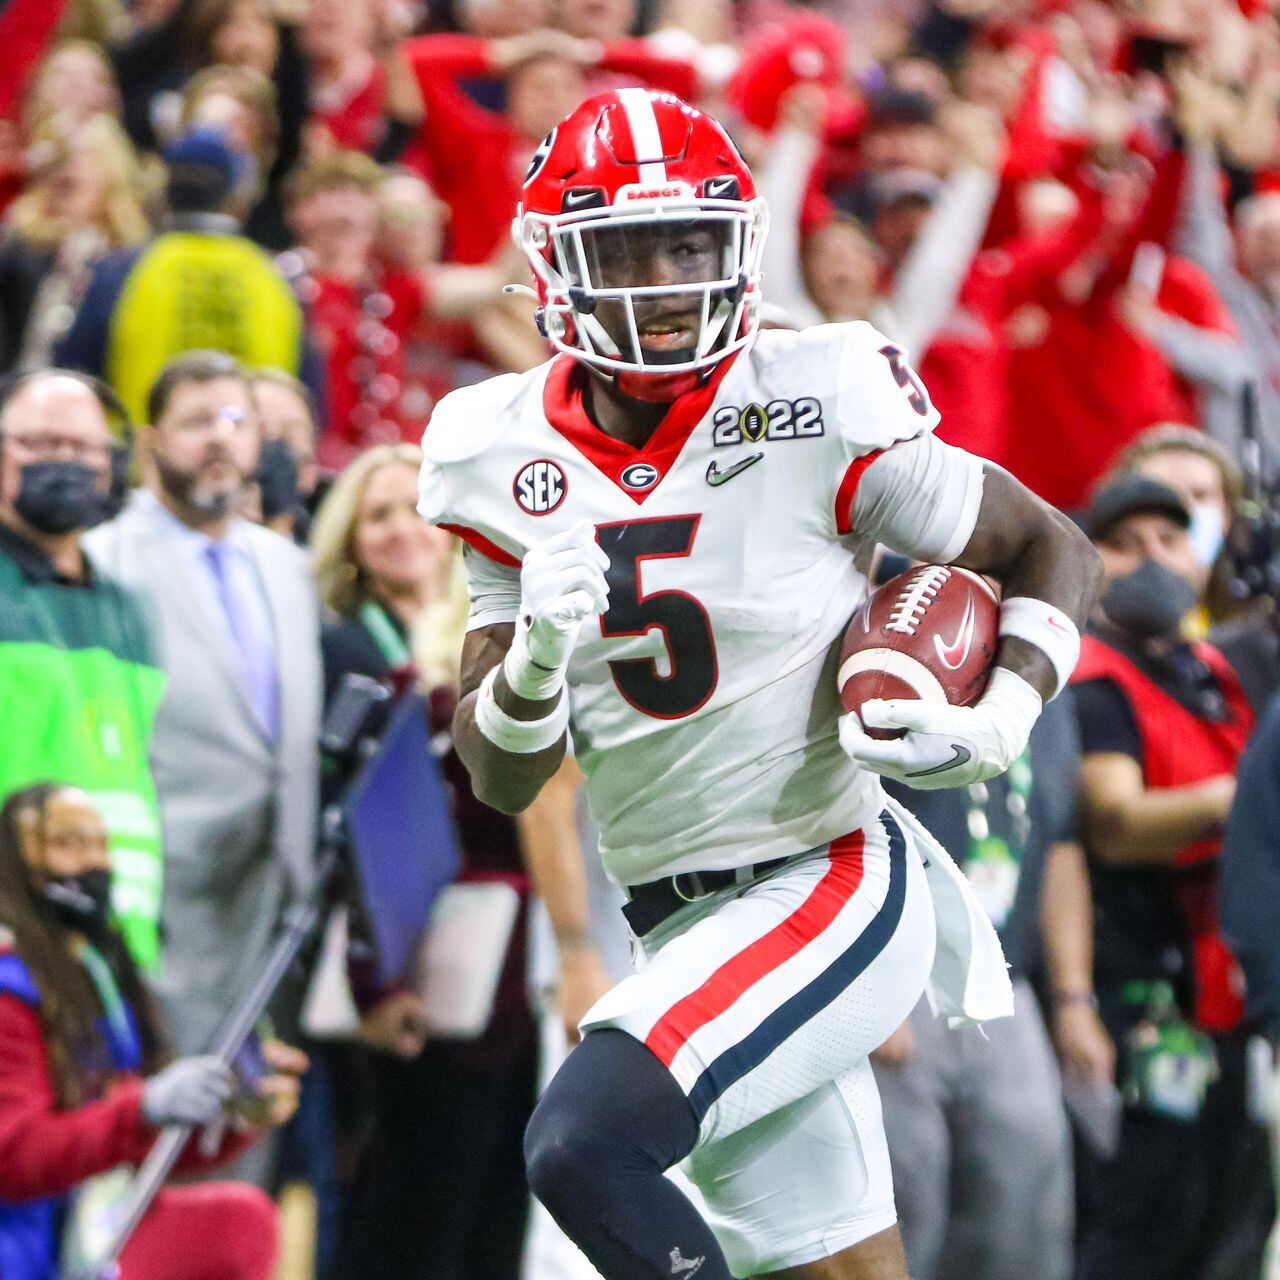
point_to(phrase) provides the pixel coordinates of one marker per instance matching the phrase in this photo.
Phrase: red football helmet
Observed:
(644, 230)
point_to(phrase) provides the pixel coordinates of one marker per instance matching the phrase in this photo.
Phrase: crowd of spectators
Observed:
(258, 240)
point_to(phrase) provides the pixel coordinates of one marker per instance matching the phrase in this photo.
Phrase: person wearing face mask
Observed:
(77, 671)
(86, 1083)
(1163, 722)
(235, 743)
(1204, 475)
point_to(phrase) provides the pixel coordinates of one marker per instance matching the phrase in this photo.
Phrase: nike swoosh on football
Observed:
(960, 645)
(962, 755)
(716, 476)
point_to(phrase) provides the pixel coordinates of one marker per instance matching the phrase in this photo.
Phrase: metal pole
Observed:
(298, 923)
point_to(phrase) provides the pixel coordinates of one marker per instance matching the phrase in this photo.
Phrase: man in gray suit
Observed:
(235, 746)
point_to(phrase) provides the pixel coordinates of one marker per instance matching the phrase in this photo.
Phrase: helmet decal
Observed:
(540, 156)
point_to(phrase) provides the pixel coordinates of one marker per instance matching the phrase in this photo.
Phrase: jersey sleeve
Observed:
(899, 485)
(455, 486)
(880, 404)
(493, 588)
(920, 498)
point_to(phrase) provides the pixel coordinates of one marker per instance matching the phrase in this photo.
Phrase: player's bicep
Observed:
(921, 498)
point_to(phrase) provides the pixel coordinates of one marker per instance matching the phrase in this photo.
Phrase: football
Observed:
(928, 633)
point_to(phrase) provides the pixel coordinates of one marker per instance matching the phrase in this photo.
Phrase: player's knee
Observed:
(566, 1160)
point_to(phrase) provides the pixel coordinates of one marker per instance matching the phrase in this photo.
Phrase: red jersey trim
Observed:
(564, 410)
(848, 490)
(784, 941)
(482, 544)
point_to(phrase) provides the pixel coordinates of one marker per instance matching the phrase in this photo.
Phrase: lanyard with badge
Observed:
(1171, 1062)
(389, 641)
(993, 863)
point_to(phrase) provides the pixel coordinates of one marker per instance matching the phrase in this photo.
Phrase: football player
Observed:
(668, 527)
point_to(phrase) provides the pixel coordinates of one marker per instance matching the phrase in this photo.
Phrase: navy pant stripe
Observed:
(787, 1018)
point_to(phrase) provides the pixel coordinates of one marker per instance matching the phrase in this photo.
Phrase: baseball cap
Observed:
(202, 169)
(1128, 495)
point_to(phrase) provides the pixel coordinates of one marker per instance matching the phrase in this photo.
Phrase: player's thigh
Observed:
(803, 1185)
(783, 988)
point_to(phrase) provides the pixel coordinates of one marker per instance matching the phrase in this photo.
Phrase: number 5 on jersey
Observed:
(685, 627)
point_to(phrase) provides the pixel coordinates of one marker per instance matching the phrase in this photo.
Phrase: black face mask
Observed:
(277, 478)
(1150, 602)
(80, 902)
(60, 496)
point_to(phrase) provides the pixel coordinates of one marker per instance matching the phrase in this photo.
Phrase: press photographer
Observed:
(1163, 722)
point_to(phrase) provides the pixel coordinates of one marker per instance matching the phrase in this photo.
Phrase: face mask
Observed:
(277, 478)
(1150, 602)
(80, 902)
(1206, 532)
(59, 496)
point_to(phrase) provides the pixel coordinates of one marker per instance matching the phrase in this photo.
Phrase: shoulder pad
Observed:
(471, 419)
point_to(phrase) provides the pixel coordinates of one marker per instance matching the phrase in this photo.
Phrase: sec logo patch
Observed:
(640, 475)
(539, 487)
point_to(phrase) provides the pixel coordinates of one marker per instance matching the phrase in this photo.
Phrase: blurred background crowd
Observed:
(247, 245)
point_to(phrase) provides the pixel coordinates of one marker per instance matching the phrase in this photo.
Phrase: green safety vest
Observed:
(79, 690)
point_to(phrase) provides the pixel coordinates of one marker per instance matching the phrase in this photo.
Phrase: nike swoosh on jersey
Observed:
(961, 755)
(947, 653)
(716, 476)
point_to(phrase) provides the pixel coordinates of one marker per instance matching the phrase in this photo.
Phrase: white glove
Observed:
(561, 582)
(945, 746)
(189, 1091)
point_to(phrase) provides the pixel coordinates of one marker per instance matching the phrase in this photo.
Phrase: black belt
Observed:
(650, 904)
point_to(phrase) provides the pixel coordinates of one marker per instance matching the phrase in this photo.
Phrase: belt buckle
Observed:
(680, 893)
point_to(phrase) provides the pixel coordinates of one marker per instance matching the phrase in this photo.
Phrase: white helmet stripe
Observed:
(643, 123)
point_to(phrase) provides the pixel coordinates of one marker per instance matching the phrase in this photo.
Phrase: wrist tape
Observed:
(527, 678)
(1046, 627)
(520, 737)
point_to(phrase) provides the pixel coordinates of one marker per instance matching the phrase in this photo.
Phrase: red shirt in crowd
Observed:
(476, 159)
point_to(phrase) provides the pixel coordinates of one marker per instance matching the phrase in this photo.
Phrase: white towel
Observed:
(970, 979)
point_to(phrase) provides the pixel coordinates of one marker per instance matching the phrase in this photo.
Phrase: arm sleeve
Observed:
(1204, 355)
(494, 590)
(1105, 719)
(1204, 234)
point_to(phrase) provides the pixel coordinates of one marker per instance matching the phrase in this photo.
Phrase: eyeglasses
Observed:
(207, 419)
(43, 447)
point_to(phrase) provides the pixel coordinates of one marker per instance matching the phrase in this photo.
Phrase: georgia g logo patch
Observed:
(539, 487)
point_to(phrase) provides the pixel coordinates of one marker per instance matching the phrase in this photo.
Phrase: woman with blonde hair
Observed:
(83, 199)
(440, 1191)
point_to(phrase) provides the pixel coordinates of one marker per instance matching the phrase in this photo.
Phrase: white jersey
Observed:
(704, 701)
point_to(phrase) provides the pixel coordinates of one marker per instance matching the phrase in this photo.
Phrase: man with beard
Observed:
(78, 684)
(1163, 722)
(237, 629)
